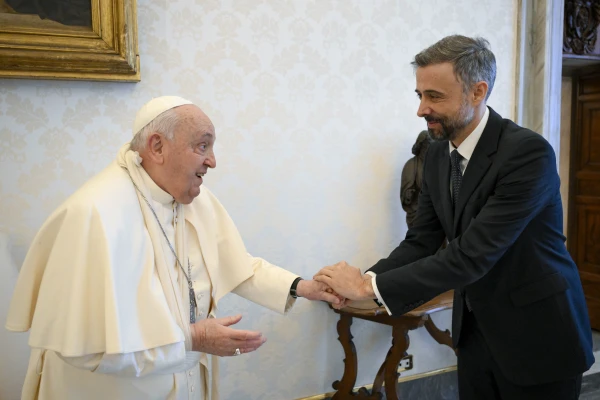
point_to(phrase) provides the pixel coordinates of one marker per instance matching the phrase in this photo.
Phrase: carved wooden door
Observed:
(584, 193)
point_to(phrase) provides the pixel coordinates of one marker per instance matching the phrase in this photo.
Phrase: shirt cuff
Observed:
(289, 304)
(192, 358)
(374, 284)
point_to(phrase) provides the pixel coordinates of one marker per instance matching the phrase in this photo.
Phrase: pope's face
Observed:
(189, 155)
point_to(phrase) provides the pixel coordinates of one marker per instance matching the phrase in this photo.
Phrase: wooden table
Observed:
(388, 372)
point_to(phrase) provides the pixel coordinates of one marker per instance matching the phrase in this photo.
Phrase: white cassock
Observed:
(106, 303)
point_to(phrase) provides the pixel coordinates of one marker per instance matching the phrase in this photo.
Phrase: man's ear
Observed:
(155, 148)
(480, 90)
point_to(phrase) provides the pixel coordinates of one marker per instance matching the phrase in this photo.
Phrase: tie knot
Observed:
(455, 157)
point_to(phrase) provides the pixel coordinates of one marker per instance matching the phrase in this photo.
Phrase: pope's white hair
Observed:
(165, 123)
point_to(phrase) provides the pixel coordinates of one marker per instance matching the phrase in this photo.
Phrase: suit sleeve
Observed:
(525, 185)
(423, 239)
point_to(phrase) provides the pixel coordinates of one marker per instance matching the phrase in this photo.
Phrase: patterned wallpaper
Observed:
(315, 112)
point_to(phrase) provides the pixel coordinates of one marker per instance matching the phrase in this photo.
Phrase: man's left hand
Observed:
(313, 290)
(347, 281)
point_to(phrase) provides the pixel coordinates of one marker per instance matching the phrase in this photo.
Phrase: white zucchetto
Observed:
(154, 108)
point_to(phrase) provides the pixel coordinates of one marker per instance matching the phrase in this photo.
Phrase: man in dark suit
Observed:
(491, 188)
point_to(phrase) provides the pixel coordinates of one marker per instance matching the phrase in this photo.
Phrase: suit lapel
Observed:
(476, 169)
(444, 185)
(479, 163)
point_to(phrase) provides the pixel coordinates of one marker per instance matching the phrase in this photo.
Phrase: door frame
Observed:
(539, 68)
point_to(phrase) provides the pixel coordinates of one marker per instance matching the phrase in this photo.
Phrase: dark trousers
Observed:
(480, 378)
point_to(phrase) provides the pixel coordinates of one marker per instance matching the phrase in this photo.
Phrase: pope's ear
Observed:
(155, 148)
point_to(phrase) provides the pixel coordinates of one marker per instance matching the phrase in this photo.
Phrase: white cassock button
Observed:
(191, 373)
(192, 389)
(200, 313)
(200, 296)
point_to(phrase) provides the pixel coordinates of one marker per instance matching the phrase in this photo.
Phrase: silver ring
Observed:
(237, 352)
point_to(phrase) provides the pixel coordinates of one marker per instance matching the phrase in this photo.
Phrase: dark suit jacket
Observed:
(506, 252)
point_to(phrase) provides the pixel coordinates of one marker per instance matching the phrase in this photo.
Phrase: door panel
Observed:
(584, 194)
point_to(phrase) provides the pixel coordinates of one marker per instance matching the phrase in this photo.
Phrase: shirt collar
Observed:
(467, 147)
(156, 192)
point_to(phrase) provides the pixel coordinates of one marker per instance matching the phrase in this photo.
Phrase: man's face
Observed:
(189, 155)
(444, 104)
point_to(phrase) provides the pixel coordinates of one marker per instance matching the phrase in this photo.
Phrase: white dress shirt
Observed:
(466, 149)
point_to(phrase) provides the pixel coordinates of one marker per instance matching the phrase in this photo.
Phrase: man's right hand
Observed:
(214, 336)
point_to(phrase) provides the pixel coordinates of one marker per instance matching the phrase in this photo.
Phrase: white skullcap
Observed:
(154, 108)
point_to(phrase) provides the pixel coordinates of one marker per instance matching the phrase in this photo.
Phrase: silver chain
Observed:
(189, 274)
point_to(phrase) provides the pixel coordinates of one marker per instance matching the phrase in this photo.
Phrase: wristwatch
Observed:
(294, 286)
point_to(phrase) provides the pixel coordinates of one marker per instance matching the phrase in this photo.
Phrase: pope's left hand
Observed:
(313, 290)
(347, 281)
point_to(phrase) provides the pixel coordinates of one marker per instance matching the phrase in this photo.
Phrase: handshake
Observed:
(337, 284)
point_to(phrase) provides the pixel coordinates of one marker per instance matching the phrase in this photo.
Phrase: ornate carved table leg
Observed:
(400, 342)
(442, 337)
(378, 382)
(346, 385)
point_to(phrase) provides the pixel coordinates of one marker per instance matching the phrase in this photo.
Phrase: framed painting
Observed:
(69, 39)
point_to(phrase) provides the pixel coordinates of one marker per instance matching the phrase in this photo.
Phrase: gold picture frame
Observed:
(36, 48)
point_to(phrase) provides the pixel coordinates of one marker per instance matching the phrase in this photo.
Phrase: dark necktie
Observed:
(456, 175)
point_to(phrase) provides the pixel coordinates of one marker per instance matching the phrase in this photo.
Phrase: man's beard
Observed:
(450, 127)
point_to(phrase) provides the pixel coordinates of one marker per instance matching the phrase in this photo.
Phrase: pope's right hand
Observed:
(214, 336)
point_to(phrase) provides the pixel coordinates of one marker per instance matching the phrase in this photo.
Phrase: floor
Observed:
(447, 388)
(590, 386)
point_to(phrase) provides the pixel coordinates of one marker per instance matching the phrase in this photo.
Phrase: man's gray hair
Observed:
(165, 123)
(471, 58)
